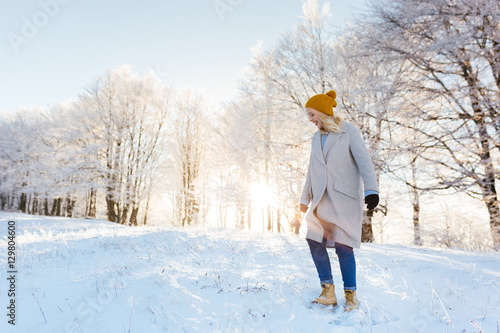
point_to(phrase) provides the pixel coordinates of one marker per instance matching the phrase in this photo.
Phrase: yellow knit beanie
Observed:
(323, 102)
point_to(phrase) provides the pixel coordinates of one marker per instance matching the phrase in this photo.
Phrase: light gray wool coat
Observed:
(334, 185)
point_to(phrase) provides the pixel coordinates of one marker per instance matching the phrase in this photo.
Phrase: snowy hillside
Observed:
(95, 276)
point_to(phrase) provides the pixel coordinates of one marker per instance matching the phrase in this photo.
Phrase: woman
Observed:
(339, 165)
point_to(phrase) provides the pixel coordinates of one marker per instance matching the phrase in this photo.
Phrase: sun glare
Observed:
(262, 195)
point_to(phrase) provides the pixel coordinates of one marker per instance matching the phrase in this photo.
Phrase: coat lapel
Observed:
(331, 139)
(316, 147)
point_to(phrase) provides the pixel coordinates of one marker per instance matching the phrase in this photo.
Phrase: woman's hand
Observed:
(303, 208)
(371, 201)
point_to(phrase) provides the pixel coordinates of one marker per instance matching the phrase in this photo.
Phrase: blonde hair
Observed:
(330, 123)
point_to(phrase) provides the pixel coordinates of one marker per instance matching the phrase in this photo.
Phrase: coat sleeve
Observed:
(306, 196)
(363, 160)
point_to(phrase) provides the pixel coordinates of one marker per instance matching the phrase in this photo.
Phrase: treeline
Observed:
(103, 150)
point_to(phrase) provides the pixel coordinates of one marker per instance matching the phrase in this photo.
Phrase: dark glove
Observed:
(371, 201)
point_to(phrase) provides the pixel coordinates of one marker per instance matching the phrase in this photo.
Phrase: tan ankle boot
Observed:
(351, 301)
(327, 296)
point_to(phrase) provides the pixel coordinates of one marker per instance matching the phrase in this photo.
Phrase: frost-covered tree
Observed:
(454, 50)
(369, 87)
(23, 157)
(189, 136)
(304, 62)
(40, 155)
(125, 114)
(276, 85)
(105, 150)
(234, 140)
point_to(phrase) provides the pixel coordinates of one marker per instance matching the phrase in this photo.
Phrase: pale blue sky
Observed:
(187, 42)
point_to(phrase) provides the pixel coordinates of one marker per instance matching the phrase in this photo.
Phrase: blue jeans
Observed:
(322, 263)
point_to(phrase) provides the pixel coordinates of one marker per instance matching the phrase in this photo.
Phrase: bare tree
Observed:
(189, 131)
(454, 51)
(126, 113)
(277, 85)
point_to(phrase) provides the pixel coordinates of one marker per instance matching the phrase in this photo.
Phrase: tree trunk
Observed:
(367, 228)
(415, 200)
(70, 205)
(417, 238)
(124, 214)
(297, 218)
(249, 214)
(12, 200)
(53, 210)
(491, 200)
(34, 204)
(241, 216)
(487, 183)
(185, 195)
(489, 193)
(46, 207)
(28, 204)
(91, 210)
(133, 216)
(22, 202)
(278, 221)
(146, 210)
(110, 206)
(269, 218)
(195, 210)
(56, 208)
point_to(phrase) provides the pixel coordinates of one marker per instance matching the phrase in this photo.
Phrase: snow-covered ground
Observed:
(95, 276)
